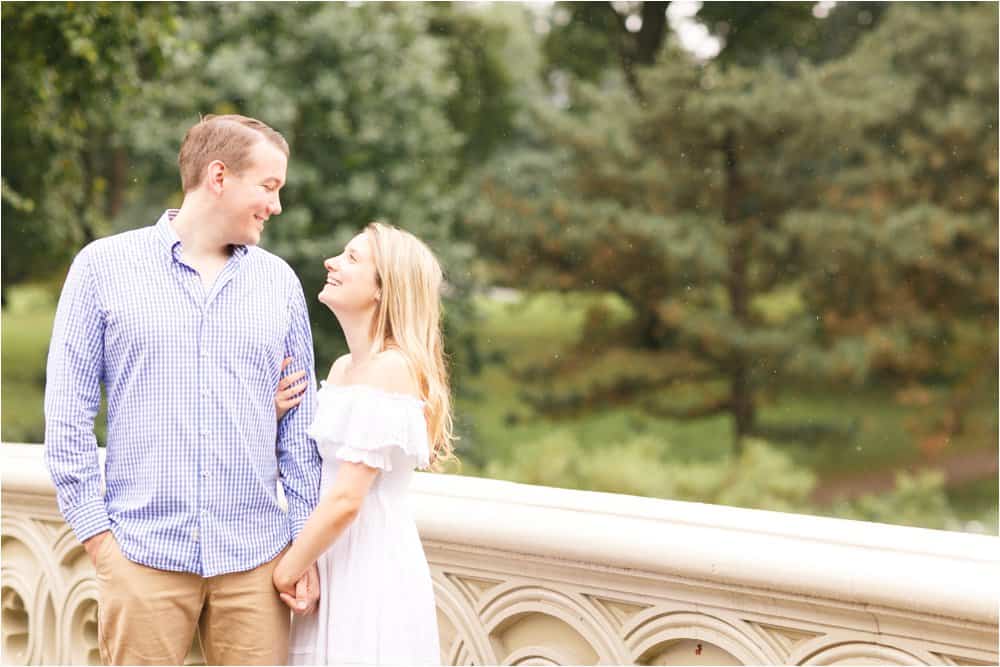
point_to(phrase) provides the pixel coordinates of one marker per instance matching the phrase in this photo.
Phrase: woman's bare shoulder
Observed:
(390, 370)
(338, 368)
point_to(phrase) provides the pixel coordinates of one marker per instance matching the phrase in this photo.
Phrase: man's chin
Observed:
(251, 239)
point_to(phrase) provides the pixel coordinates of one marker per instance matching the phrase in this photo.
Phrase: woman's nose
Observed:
(329, 263)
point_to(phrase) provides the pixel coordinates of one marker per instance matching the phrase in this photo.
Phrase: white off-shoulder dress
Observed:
(376, 598)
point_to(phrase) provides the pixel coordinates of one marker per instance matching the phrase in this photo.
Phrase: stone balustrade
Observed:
(536, 575)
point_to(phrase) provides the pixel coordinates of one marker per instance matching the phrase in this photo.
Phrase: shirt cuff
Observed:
(88, 519)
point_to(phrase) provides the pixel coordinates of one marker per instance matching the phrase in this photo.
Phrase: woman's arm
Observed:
(335, 512)
(339, 507)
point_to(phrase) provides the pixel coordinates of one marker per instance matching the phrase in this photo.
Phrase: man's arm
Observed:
(298, 459)
(72, 398)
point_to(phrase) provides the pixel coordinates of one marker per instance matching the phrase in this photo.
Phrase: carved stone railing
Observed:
(536, 575)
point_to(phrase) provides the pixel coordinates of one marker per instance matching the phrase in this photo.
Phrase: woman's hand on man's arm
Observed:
(291, 389)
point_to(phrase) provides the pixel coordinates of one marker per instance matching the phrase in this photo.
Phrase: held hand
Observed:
(312, 589)
(282, 579)
(93, 545)
(290, 390)
(303, 602)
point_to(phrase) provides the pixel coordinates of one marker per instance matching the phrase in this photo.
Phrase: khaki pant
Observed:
(149, 617)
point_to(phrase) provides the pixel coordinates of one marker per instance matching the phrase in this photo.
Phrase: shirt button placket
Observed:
(203, 433)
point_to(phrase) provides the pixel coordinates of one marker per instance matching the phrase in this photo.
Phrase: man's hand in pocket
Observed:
(93, 545)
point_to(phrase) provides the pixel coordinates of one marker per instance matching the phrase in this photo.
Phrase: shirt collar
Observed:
(168, 235)
(165, 230)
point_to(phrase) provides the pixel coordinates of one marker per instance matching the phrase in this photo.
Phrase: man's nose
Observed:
(276, 206)
(329, 264)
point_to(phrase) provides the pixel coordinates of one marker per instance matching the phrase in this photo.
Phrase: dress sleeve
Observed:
(370, 424)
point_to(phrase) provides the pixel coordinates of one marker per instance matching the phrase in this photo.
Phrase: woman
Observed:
(384, 410)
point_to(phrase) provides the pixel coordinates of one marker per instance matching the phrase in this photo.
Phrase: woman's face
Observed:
(350, 277)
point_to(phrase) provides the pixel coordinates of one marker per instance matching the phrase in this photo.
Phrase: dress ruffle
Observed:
(362, 424)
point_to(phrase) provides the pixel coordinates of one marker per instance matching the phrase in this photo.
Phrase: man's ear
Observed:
(215, 176)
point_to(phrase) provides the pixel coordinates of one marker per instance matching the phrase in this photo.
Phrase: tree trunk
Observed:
(89, 171)
(650, 36)
(648, 331)
(117, 181)
(741, 391)
(641, 47)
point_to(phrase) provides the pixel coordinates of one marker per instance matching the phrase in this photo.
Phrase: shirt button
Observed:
(204, 473)
(204, 354)
(194, 534)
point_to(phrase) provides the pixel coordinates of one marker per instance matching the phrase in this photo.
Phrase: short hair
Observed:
(228, 138)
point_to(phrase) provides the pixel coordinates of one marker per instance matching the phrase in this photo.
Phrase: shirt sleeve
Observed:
(298, 458)
(72, 398)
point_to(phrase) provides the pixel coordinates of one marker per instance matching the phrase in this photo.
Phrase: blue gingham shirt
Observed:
(194, 451)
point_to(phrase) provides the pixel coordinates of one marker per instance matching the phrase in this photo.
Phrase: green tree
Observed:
(676, 205)
(718, 197)
(787, 33)
(74, 78)
(482, 106)
(912, 281)
(587, 39)
(362, 93)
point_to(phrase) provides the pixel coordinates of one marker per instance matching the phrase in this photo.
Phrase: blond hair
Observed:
(227, 138)
(408, 316)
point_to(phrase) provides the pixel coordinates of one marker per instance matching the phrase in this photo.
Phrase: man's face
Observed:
(251, 197)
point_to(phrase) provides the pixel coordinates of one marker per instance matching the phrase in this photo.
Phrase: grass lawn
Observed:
(27, 325)
(882, 440)
(26, 328)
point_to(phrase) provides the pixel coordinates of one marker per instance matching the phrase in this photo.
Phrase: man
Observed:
(186, 324)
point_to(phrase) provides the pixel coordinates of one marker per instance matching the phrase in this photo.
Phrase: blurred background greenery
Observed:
(737, 253)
